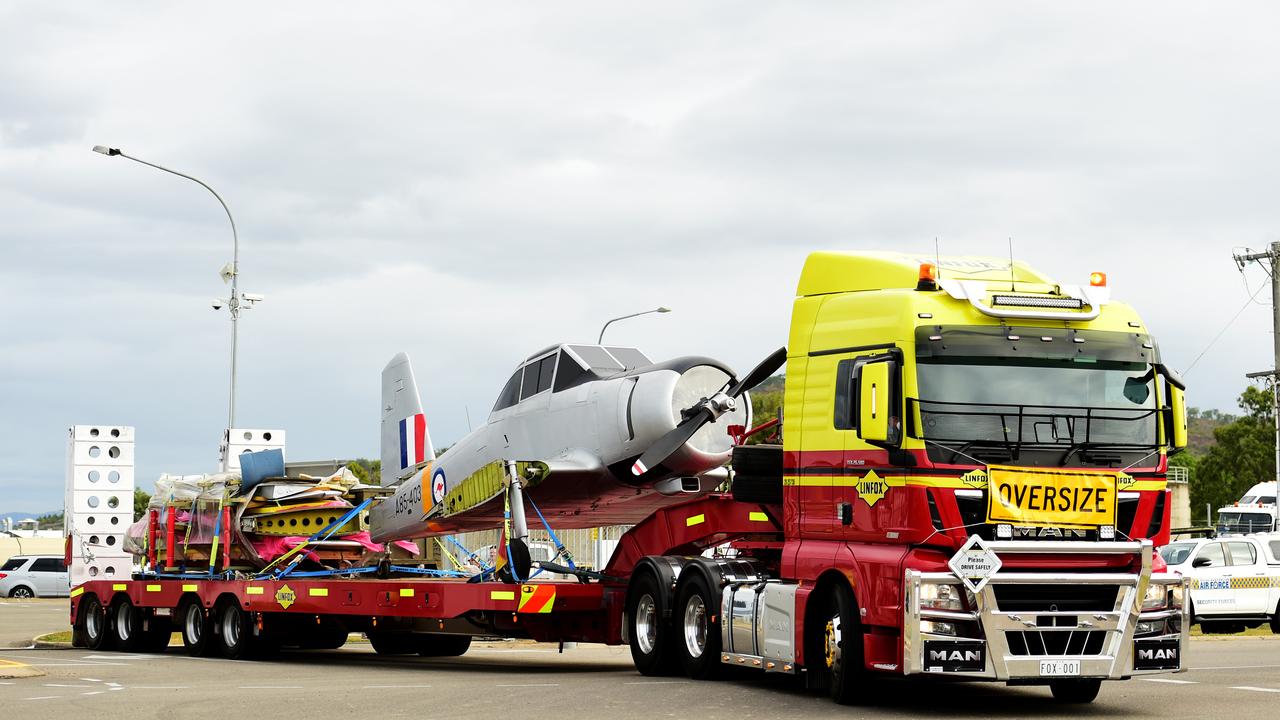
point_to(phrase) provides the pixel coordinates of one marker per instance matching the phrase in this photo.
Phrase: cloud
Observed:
(471, 187)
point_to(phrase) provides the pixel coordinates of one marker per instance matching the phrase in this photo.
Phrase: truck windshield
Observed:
(1040, 411)
(1230, 521)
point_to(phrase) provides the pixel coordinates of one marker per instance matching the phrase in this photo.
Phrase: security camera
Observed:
(218, 303)
(253, 297)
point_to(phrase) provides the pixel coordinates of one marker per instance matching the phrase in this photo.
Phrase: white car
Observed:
(25, 576)
(1235, 580)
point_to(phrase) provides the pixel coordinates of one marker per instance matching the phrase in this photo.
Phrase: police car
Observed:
(1235, 580)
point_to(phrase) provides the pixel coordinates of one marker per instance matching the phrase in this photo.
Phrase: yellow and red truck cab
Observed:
(928, 401)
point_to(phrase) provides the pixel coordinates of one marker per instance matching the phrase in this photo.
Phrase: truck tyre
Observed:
(392, 643)
(436, 645)
(1075, 692)
(126, 625)
(235, 632)
(1275, 622)
(97, 635)
(697, 616)
(649, 634)
(842, 648)
(197, 630)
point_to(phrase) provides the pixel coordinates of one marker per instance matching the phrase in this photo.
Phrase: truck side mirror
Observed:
(1178, 405)
(875, 420)
(1176, 419)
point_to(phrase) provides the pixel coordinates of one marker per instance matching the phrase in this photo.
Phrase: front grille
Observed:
(1055, 642)
(1055, 598)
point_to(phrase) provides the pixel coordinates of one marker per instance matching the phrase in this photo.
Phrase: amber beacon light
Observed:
(1098, 279)
(928, 277)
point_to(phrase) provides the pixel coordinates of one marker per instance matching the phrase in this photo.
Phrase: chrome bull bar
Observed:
(1010, 644)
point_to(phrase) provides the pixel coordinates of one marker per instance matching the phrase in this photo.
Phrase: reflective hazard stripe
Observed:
(406, 592)
(119, 587)
(758, 517)
(77, 592)
(318, 592)
(253, 590)
(153, 588)
(502, 595)
(537, 598)
(695, 520)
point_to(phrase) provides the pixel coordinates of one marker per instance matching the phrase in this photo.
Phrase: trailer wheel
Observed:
(842, 648)
(329, 634)
(698, 617)
(126, 625)
(650, 636)
(436, 645)
(197, 630)
(1075, 692)
(392, 643)
(235, 630)
(97, 635)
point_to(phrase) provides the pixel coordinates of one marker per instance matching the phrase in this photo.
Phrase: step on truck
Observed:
(969, 485)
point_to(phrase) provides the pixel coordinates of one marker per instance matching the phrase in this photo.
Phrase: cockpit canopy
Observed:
(561, 367)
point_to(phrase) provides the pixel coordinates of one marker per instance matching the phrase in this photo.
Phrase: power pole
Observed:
(1272, 266)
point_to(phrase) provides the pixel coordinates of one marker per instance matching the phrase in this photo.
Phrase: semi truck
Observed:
(969, 485)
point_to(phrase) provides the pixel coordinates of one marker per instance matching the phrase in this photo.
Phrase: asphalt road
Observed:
(528, 681)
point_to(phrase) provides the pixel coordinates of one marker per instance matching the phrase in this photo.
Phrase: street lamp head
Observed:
(664, 309)
(106, 150)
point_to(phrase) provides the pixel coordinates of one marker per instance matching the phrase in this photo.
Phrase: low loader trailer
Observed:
(970, 485)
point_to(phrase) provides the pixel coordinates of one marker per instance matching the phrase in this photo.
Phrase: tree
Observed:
(140, 501)
(1243, 454)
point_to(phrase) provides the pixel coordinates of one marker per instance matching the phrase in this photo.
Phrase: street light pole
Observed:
(600, 340)
(1272, 257)
(234, 302)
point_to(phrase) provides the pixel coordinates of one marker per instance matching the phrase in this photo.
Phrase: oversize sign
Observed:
(1044, 497)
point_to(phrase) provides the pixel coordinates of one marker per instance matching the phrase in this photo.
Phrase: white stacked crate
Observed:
(99, 501)
(243, 440)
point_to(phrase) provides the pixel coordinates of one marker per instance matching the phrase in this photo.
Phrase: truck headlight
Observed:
(1175, 596)
(1156, 597)
(942, 597)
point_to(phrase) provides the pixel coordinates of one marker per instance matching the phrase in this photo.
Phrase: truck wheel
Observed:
(1075, 692)
(698, 617)
(436, 645)
(650, 636)
(94, 616)
(197, 630)
(126, 625)
(235, 630)
(392, 643)
(842, 648)
(328, 635)
(1275, 622)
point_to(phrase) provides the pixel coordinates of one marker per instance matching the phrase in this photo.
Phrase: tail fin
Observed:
(406, 444)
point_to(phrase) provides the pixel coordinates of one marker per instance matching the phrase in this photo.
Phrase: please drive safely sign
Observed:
(1051, 497)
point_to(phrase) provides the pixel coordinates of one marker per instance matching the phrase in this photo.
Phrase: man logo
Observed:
(961, 656)
(1158, 654)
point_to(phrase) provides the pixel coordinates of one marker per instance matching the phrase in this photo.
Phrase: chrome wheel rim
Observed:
(122, 621)
(231, 626)
(831, 642)
(695, 626)
(93, 622)
(191, 625)
(22, 593)
(646, 620)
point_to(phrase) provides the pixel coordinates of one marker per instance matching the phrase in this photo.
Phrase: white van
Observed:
(1235, 580)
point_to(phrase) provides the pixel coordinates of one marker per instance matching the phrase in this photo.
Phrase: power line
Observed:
(1224, 329)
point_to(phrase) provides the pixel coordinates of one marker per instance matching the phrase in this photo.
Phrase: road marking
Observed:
(70, 686)
(1235, 667)
(532, 685)
(159, 687)
(391, 687)
(1171, 681)
(91, 679)
(95, 692)
(43, 697)
(1255, 689)
(270, 687)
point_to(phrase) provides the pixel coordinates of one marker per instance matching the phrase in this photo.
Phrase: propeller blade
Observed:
(762, 372)
(671, 442)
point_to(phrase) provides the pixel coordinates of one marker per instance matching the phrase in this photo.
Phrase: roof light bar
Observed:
(1037, 301)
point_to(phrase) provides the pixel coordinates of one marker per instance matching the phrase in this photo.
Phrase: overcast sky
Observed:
(472, 185)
